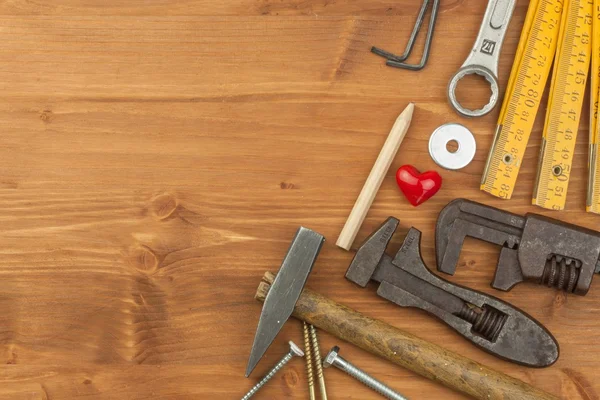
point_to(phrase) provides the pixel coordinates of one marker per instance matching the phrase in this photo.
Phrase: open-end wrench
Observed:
(484, 57)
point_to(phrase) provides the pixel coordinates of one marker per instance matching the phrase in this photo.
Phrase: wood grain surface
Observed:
(158, 156)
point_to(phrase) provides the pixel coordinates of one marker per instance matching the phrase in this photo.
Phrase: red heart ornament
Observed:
(417, 187)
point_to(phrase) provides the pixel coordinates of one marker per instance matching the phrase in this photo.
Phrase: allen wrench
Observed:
(396, 61)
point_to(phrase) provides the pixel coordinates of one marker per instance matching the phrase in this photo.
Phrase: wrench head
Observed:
(489, 77)
(369, 254)
(462, 218)
(484, 57)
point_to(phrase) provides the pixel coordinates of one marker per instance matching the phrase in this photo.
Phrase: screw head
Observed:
(331, 356)
(295, 350)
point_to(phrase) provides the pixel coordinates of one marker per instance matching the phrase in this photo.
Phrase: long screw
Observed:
(333, 358)
(309, 366)
(294, 351)
(317, 354)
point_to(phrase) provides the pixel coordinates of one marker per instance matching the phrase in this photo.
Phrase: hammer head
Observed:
(285, 291)
(369, 254)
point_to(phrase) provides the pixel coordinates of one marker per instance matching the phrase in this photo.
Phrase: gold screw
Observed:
(317, 354)
(309, 366)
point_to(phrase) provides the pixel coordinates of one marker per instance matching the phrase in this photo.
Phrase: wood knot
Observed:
(9, 185)
(143, 259)
(291, 377)
(285, 185)
(559, 301)
(87, 381)
(12, 358)
(47, 116)
(163, 206)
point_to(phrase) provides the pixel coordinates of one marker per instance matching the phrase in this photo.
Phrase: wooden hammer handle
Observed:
(408, 351)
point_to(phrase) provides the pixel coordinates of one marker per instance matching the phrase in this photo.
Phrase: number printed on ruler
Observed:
(537, 48)
(565, 104)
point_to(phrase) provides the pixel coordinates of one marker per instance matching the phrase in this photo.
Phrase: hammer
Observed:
(424, 358)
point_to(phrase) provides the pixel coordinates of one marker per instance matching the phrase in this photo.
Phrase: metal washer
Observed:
(466, 146)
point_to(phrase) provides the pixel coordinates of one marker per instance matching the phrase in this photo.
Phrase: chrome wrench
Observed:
(484, 57)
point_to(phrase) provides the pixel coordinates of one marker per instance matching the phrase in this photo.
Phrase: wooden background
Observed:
(158, 156)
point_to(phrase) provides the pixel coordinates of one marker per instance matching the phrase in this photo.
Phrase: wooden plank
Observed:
(313, 8)
(157, 160)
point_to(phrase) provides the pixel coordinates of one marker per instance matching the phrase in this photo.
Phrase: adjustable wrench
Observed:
(534, 247)
(493, 325)
(484, 57)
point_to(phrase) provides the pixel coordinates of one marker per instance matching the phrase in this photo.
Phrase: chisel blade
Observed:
(285, 291)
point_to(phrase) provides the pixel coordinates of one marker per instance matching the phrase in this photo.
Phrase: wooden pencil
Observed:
(378, 172)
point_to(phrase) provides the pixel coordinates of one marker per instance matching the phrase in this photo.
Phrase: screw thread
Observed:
(318, 362)
(486, 321)
(309, 366)
(368, 380)
(267, 377)
(562, 273)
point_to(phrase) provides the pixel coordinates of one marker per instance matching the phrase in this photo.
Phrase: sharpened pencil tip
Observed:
(408, 112)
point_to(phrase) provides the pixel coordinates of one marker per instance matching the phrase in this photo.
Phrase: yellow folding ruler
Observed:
(559, 31)
(526, 84)
(569, 81)
(593, 191)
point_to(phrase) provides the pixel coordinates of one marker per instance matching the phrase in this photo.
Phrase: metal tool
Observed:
(285, 291)
(447, 159)
(534, 248)
(411, 41)
(317, 353)
(493, 325)
(333, 358)
(309, 360)
(394, 60)
(404, 349)
(484, 57)
(294, 351)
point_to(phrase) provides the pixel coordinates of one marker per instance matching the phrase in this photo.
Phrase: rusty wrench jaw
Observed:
(493, 325)
(534, 248)
(462, 218)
